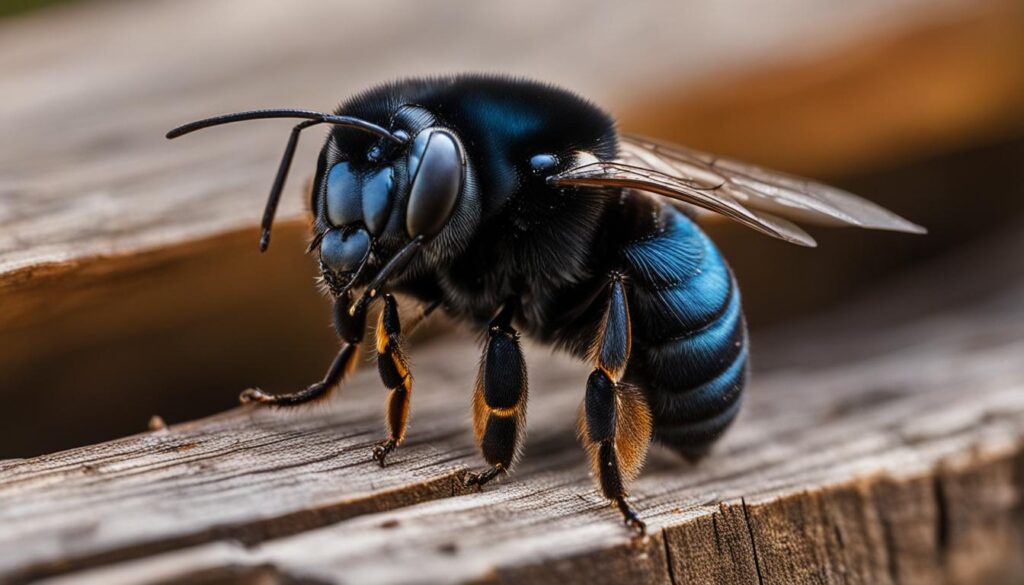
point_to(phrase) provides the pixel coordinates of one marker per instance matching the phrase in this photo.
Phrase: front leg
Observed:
(499, 400)
(350, 326)
(394, 372)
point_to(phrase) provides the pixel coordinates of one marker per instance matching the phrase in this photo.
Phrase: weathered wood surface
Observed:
(882, 444)
(89, 90)
(902, 464)
(130, 259)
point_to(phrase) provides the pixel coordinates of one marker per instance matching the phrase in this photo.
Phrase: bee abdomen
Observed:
(691, 418)
(691, 351)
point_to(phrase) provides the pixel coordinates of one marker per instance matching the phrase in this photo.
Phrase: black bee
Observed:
(516, 206)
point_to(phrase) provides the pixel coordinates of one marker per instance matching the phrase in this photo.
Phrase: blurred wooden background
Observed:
(130, 283)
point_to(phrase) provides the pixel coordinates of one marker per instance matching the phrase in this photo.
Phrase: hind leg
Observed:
(615, 425)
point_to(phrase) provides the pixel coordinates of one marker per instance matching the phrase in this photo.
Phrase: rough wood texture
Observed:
(883, 443)
(901, 464)
(131, 260)
(104, 183)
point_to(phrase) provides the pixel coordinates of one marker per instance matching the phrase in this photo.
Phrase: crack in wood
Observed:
(941, 514)
(666, 541)
(753, 540)
(892, 554)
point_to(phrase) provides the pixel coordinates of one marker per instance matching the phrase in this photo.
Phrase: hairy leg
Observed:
(499, 399)
(615, 424)
(394, 372)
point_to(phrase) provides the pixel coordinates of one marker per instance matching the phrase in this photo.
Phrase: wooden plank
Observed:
(875, 448)
(214, 473)
(106, 183)
(876, 101)
(130, 260)
(864, 506)
(901, 464)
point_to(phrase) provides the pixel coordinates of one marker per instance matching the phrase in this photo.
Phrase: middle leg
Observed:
(499, 400)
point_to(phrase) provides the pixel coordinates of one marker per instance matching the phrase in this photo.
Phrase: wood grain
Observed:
(902, 464)
(877, 101)
(128, 261)
(100, 181)
(880, 443)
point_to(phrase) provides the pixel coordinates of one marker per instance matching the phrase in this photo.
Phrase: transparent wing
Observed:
(758, 198)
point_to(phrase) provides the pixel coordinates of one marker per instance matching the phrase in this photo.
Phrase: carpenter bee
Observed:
(516, 206)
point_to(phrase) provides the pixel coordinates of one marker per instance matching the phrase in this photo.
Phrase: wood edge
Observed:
(860, 527)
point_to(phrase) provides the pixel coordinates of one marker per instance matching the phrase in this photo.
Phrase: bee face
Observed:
(383, 194)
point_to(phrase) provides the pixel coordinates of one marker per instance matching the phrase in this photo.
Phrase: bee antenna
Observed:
(317, 117)
(312, 118)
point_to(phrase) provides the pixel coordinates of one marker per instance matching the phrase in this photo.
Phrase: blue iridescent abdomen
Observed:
(690, 339)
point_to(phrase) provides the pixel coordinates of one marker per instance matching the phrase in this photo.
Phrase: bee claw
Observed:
(638, 526)
(479, 479)
(630, 518)
(382, 449)
(251, 395)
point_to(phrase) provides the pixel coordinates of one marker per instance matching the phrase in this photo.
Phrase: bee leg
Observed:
(615, 422)
(350, 328)
(394, 372)
(499, 400)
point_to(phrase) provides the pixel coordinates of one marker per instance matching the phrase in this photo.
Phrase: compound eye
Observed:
(436, 168)
(344, 251)
(343, 205)
(377, 199)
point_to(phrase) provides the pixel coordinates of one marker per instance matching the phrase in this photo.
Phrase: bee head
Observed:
(377, 190)
(375, 195)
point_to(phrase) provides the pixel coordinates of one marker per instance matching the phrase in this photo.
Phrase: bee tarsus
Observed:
(382, 449)
(629, 516)
(344, 362)
(478, 479)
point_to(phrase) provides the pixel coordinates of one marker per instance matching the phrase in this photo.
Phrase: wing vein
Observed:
(764, 200)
